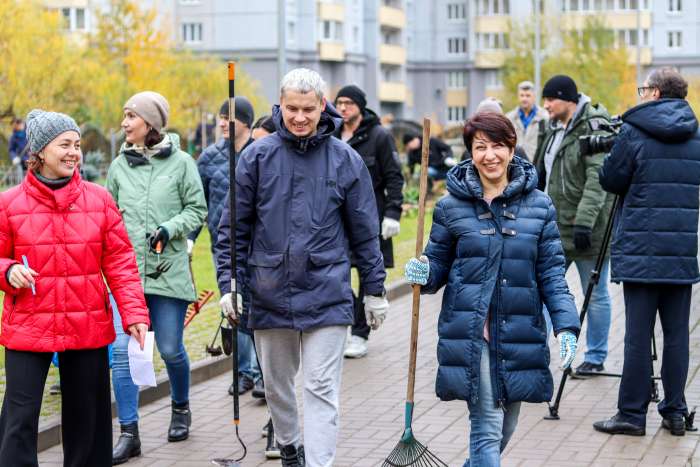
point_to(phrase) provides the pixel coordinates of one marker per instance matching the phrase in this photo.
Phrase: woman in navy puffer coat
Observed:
(495, 245)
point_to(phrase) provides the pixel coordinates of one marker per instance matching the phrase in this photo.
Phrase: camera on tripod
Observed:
(594, 144)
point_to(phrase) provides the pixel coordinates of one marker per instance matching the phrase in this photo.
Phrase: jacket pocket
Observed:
(326, 202)
(267, 280)
(329, 277)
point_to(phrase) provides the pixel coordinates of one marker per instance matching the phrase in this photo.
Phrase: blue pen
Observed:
(26, 265)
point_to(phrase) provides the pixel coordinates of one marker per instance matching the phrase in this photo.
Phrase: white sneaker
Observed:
(356, 348)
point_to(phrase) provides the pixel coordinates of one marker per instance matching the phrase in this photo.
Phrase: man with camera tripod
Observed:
(570, 178)
(654, 167)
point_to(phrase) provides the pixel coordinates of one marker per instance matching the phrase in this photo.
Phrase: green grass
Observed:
(200, 332)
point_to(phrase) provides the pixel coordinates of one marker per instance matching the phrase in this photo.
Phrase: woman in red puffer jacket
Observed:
(73, 239)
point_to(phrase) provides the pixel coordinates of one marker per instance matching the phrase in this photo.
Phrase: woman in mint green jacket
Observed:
(160, 195)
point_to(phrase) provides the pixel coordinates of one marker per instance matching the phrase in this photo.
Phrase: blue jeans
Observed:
(247, 360)
(167, 321)
(597, 319)
(491, 426)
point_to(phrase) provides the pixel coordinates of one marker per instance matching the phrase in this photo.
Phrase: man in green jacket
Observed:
(571, 180)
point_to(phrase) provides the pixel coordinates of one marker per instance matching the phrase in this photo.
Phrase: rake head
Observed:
(410, 452)
(194, 308)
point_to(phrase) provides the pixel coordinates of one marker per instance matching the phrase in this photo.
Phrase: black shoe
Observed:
(587, 369)
(675, 424)
(263, 433)
(245, 384)
(292, 456)
(616, 426)
(128, 444)
(180, 422)
(272, 450)
(259, 389)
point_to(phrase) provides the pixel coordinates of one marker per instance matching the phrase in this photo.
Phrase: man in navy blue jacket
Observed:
(304, 199)
(654, 167)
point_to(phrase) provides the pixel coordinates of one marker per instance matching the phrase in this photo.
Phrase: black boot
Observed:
(128, 444)
(180, 422)
(292, 456)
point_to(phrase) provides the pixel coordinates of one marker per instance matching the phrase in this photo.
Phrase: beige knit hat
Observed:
(150, 106)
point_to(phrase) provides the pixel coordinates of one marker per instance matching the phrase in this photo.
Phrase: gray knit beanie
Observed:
(152, 107)
(43, 127)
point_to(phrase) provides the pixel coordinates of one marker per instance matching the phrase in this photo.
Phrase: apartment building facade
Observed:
(413, 57)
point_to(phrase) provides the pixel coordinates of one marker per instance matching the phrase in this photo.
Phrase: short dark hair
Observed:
(669, 82)
(266, 123)
(497, 127)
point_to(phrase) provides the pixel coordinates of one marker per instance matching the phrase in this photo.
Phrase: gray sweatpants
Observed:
(320, 352)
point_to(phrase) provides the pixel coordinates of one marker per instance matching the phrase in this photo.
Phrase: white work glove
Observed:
(417, 271)
(390, 228)
(567, 348)
(226, 304)
(376, 309)
(190, 246)
(450, 161)
(16, 160)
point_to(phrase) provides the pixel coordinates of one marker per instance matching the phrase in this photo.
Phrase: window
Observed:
(493, 7)
(629, 37)
(355, 36)
(191, 33)
(331, 30)
(492, 41)
(190, 2)
(457, 79)
(457, 45)
(675, 6)
(457, 11)
(291, 32)
(675, 39)
(80, 19)
(493, 79)
(65, 12)
(456, 114)
(74, 19)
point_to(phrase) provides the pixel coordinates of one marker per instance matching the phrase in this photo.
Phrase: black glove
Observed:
(160, 235)
(583, 237)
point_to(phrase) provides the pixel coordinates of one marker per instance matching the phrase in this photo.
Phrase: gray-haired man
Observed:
(304, 200)
(528, 119)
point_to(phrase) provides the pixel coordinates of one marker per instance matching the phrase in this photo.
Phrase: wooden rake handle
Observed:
(419, 249)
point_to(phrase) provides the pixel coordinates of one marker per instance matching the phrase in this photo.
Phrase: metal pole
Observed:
(282, 40)
(639, 47)
(538, 64)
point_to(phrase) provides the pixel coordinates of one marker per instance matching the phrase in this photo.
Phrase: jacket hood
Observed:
(463, 180)
(668, 120)
(328, 124)
(60, 198)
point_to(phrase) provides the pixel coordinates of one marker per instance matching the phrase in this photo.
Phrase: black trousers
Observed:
(86, 414)
(359, 325)
(641, 304)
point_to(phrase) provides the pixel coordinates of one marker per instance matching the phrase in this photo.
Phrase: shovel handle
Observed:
(419, 249)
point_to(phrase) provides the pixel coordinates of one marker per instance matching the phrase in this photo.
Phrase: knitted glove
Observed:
(417, 271)
(390, 228)
(567, 348)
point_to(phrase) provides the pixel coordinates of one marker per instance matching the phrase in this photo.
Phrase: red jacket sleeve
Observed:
(120, 270)
(6, 248)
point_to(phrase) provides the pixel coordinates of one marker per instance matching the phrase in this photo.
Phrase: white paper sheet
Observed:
(141, 361)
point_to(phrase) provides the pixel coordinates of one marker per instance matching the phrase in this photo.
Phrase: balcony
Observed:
(645, 56)
(331, 51)
(456, 97)
(494, 23)
(392, 92)
(392, 54)
(613, 20)
(391, 17)
(331, 12)
(490, 58)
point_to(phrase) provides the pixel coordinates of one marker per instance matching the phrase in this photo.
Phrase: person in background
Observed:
(440, 158)
(17, 147)
(262, 127)
(160, 195)
(61, 239)
(528, 119)
(362, 131)
(495, 247)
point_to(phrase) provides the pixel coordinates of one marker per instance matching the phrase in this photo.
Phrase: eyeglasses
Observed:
(641, 89)
(345, 103)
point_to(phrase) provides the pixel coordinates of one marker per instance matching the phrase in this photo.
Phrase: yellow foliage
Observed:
(131, 50)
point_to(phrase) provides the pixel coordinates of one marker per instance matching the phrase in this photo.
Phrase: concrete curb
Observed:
(50, 430)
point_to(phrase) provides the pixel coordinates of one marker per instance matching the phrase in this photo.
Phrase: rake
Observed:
(204, 296)
(409, 451)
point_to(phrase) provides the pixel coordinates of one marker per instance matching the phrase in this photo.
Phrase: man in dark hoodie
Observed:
(654, 167)
(304, 201)
(363, 132)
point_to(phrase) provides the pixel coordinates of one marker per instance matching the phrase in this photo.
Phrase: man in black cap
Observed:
(571, 180)
(213, 169)
(363, 132)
